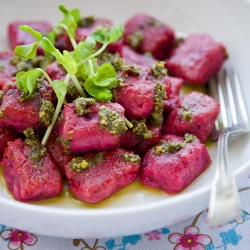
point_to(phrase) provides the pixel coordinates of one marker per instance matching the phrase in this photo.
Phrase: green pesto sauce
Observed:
(111, 120)
(188, 138)
(2, 114)
(80, 164)
(140, 129)
(37, 150)
(158, 70)
(81, 103)
(1, 96)
(24, 97)
(2, 68)
(86, 22)
(46, 112)
(154, 23)
(66, 144)
(131, 69)
(186, 113)
(135, 39)
(173, 147)
(72, 90)
(160, 95)
(133, 158)
(97, 159)
(37, 62)
(113, 59)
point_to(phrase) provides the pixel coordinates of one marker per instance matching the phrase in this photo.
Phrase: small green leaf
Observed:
(19, 82)
(26, 52)
(115, 33)
(76, 14)
(99, 93)
(48, 46)
(68, 22)
(31, 80)
(90, 42)
(82, 71)
(84, 49)
(104, 96)
(100, 36)
(106, 76)
(108, 36)
(66, 59)
(34, 33)
(26, 81)
(90, 86)
(69, 63)
(60, 88)
(52, 36)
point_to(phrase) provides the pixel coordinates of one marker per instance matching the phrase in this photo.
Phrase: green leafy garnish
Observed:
(99, 84)
(84, 49)
(26, 52)
(108, 34)
(34, 33)
(26, 81)
(60, 88)
(80, 63)
(68, 23)
(64, 59)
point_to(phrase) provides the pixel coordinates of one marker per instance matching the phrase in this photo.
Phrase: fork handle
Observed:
(222, 169)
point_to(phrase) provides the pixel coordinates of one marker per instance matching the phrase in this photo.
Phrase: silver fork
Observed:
(233, 120)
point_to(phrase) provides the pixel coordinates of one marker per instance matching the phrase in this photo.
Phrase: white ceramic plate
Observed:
(136, 209)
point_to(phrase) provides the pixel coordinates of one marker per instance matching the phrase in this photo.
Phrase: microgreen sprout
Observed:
(79, 63)
(60, 88)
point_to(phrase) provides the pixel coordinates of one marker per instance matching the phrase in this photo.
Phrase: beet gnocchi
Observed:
(100, 106)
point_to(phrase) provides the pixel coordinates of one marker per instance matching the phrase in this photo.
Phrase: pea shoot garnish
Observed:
(81, 63)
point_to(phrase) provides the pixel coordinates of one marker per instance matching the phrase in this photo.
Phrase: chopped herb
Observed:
(169, 147)
(86, 22)
(188, 138)
(133, 158)
(81, 103)
(79, 164)
(66, 144)
(2, 114)
(46, 112)
(31, 137)
(178, 41)
(37, 153)
(1, 96)
(37, 150)
(172, 147)
(97, 159)
(120, 82)
(111, 120)
(72, 90)
(114, 59)
(132, 69)
(160, 95)
(154, 23)
(135, 40)
(140, 129)
(158, 70)
(186, 113)
(2, 68)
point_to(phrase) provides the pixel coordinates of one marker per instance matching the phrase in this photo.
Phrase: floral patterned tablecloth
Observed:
(191, 234)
